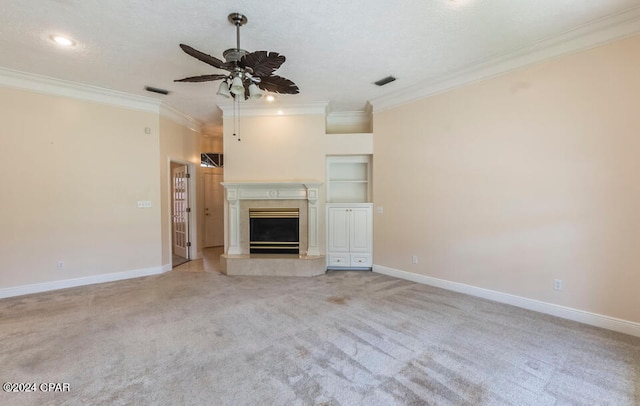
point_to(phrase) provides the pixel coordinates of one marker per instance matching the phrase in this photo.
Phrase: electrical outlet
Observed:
(144, 204)
(414, 259)
(60, 265)
(557, 284)
(379, 209)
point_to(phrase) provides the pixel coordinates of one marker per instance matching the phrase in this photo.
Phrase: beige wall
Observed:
(512, 182)
(210, 143)
(285, 148)
(275, 148)
(349, 144)
(72, 174)
(181, 144)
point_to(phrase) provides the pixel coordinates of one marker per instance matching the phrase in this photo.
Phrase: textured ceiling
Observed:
(334, 50)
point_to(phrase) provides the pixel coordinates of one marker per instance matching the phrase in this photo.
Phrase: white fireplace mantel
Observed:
(301, 190)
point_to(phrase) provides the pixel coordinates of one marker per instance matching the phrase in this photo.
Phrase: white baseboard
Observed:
(167, 267)
(87, 280)
(581, 316)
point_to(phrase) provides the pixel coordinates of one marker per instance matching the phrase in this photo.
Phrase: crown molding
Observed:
(180, 118)
(58, 87)
(598, 32)
(318, 108)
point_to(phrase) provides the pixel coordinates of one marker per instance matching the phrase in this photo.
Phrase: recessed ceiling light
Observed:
(62, 40)
(270, 98)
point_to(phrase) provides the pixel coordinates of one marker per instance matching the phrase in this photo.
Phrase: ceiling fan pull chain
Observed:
(238, 101)
(236, 118)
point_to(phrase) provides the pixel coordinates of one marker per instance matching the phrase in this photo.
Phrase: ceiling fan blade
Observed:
(263, 63)
(201, 78)
(201, 56)
(278, 84)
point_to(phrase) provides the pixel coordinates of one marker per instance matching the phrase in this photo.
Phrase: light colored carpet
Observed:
(344, 338)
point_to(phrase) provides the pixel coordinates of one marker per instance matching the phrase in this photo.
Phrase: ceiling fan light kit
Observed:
(248, 71)
(223, 90)
(254, 93)
(236, 86)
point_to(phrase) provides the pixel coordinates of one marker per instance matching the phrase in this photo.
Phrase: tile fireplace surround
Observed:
(241, 196)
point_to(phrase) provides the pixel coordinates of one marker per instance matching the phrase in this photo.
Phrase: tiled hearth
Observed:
(242, 196)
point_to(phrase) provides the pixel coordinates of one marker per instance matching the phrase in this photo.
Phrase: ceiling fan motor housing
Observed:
(234, 54)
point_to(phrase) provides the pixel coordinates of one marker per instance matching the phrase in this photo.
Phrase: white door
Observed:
(338, 229)
(213, 210)
(361, 229)
(180, 210)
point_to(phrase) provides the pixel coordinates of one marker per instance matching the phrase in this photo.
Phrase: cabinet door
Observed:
(338, 230)
(360, 229)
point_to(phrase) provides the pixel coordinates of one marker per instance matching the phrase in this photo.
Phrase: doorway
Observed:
(180, 211)
(213, 210)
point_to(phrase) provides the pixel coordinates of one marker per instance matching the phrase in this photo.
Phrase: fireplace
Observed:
(274, 230)
(244, 196)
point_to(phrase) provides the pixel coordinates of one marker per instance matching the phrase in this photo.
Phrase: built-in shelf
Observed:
(348, 179)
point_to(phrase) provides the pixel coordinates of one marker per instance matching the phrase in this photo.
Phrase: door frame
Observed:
(193, 250)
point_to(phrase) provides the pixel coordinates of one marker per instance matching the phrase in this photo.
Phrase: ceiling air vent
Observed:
(384, 81)
(156, 90)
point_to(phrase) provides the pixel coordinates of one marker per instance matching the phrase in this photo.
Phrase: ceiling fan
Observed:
(248, 71)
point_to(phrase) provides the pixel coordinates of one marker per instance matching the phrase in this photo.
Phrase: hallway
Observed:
(210, 261)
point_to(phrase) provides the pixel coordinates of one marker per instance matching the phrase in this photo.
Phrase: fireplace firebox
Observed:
(274, 231)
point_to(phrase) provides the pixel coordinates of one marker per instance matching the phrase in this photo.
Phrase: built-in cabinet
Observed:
(349, 212)
(350, 235)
